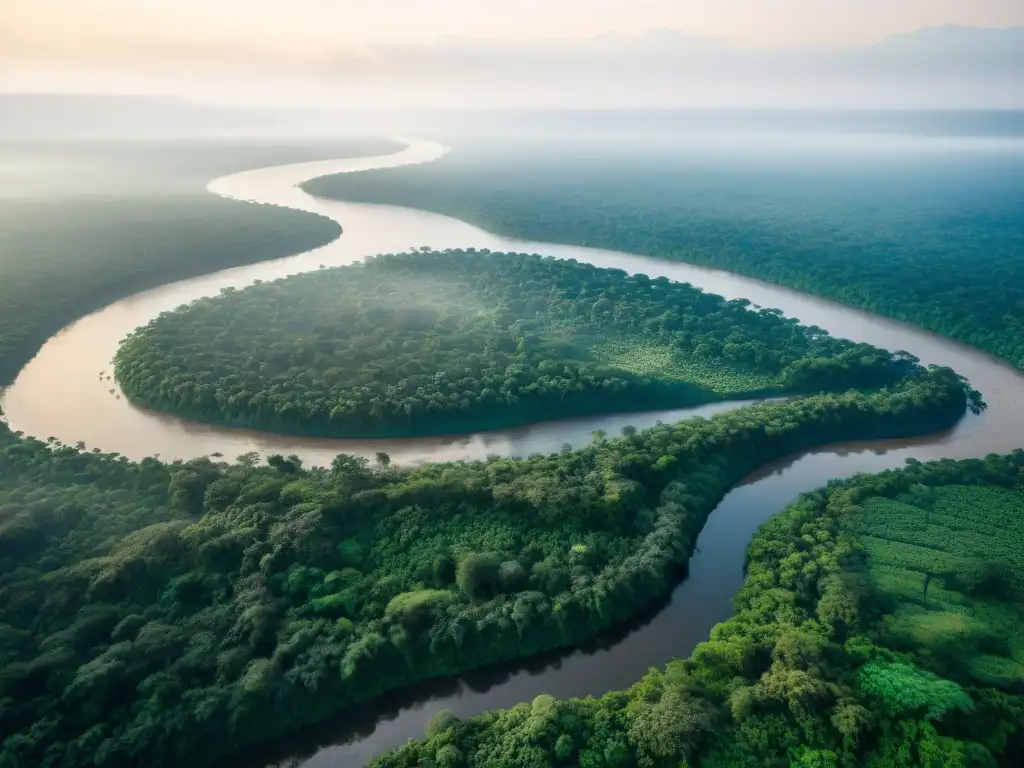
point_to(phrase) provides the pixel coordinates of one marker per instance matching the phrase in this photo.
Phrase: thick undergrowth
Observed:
(838, 654)
(167, 614)
(432, 342)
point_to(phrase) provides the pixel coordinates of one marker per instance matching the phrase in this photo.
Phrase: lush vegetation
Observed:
(84, 224)
(165, 614)
(458, 340)
(878, 625)
(948, 566)
(933, 238)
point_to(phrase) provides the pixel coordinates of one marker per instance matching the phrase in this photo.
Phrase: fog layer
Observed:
(938, 68)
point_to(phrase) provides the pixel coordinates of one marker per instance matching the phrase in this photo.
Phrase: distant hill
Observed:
(954, 49)
(953, 38)
(944, 67)
(951, 48)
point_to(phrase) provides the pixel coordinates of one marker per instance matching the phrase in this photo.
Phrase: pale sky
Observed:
(153, 45)
(63, 28)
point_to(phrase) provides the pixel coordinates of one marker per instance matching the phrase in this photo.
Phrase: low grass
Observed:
(967, 543)
(662, 361)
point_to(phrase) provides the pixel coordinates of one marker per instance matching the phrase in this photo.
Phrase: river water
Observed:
(66, 392)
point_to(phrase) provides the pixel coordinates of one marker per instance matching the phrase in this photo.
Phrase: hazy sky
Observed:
(298, 49)
(62, 28)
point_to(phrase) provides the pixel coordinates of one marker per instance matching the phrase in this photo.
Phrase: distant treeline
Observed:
(933, 239)
(70, 253)
(455, 341)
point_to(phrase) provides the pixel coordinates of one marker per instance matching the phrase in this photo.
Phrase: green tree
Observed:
(672, 727)
(477, 573)
(441, 722)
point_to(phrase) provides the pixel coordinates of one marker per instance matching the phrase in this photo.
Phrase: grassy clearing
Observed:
(967, 544)
(663, 361)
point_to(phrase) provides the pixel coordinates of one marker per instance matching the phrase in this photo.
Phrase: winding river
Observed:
(66, 392)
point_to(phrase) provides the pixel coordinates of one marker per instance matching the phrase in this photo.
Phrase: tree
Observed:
(511, 576)
(448, 756)
(288, 466)
(444, 570)
(673, 726)
(477, 574)
(347, 465)
(851, 720)
(987, 579)
(904, 688)
(441, 722)
(564, 747)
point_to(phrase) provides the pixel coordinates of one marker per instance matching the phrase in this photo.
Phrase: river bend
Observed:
(65, 392)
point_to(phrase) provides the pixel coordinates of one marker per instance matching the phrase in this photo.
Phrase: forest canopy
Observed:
(169, 614)
(878, 625)
(435, 342)
(935, 239)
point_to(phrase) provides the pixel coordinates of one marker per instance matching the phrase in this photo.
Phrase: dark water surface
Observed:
(63, 392)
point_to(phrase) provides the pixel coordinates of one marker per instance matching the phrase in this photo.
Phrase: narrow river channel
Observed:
(64, 392)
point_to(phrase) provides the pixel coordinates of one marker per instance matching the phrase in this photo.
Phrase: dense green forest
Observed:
(436, 342)
(167, 614)
(936, 239)
(83, 224)
(878, 625)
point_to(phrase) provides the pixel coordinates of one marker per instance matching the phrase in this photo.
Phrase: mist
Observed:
(47, 118)
(943, 68)
(948, 68)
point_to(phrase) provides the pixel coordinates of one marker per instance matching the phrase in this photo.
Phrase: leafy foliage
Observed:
(167, 614)
(458, 340)
(802, 674)
(946, 564)
(904, 688)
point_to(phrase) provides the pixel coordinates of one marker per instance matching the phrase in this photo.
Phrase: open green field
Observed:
(967, 543)
(663, 361)
(435, 342)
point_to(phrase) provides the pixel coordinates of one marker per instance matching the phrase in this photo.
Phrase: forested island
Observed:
(432, 342)
(133, 217)
(932, 238)
(169, 614)
(878, 625)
